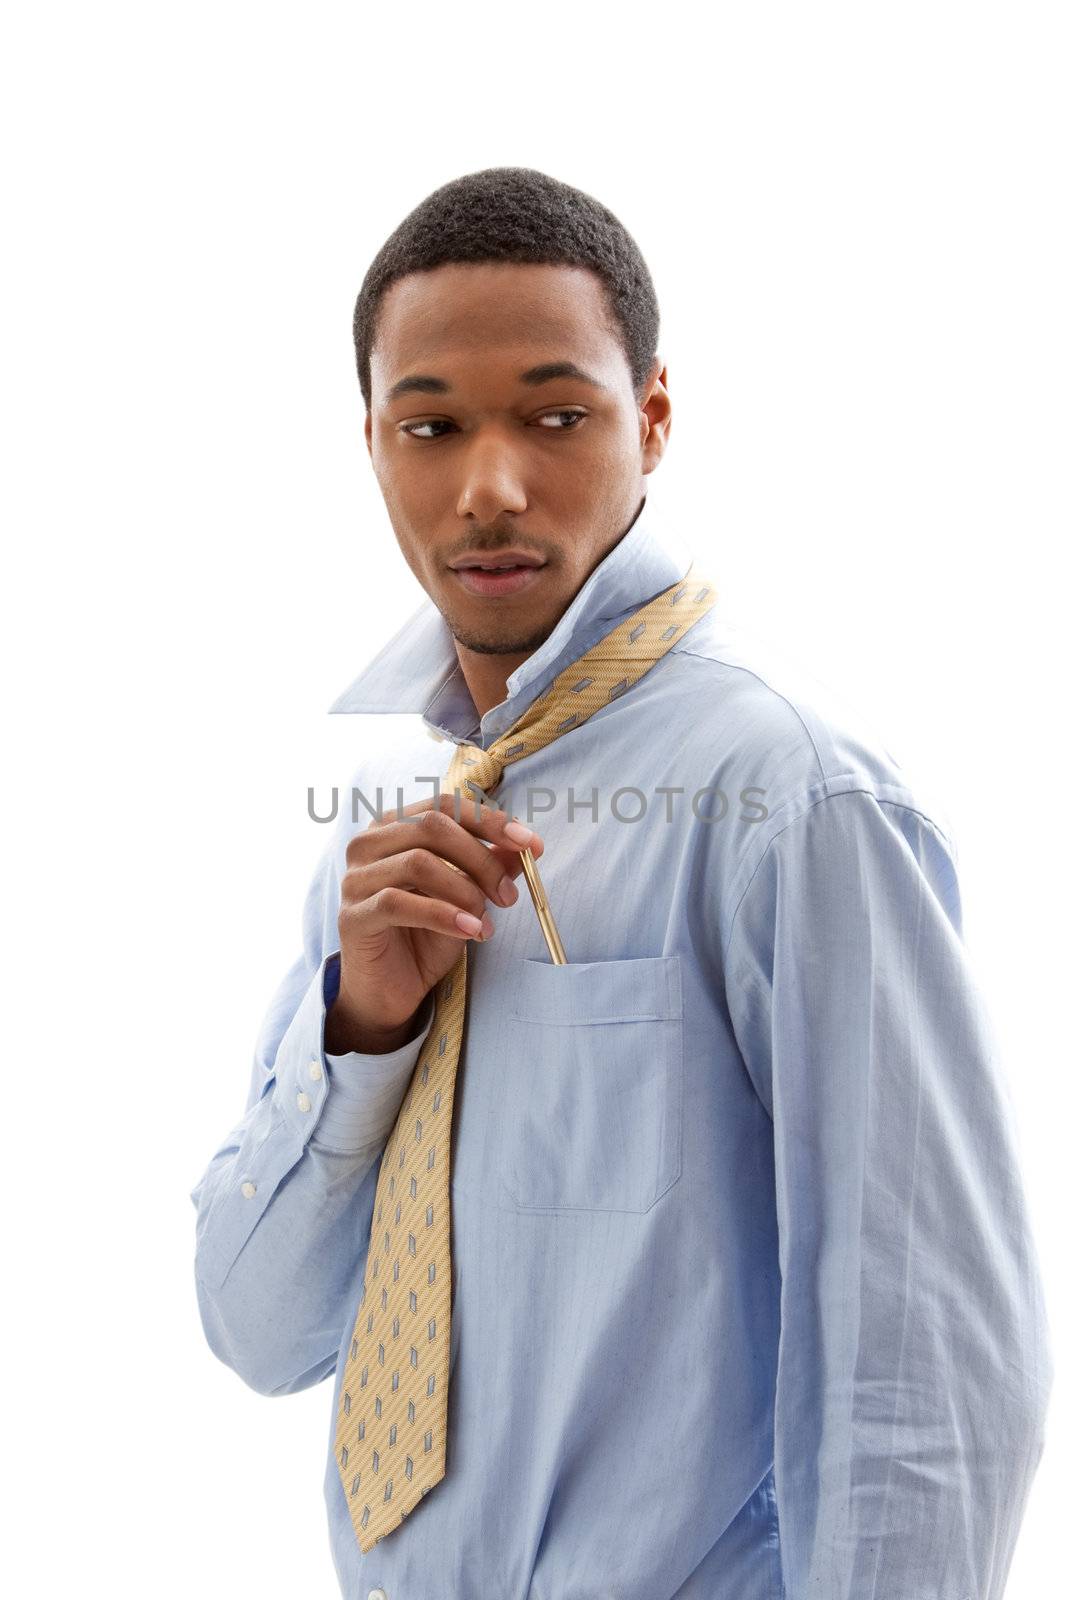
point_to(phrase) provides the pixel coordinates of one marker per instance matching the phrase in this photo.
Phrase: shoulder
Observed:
(762, 712)
(822, 800)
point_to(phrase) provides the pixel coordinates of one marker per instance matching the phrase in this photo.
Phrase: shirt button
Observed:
(303, 1101)
(314, 1072)
(248, 1190)
(377, 1594)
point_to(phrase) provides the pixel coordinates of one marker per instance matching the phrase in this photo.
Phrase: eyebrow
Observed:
(423, 383)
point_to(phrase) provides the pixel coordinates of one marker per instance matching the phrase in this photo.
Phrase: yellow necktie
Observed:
(390, 1436)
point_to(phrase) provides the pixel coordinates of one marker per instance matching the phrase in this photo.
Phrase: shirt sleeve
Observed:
(284, 1204)
(913, 1365)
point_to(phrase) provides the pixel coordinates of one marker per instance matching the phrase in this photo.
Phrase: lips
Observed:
(497, 561)
(494, 566)
(500, 579)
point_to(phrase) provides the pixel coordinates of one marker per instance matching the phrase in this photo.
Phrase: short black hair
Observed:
(522, 215)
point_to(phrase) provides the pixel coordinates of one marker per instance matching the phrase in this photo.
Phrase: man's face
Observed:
(474, 460)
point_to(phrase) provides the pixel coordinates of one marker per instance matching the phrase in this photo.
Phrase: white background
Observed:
(854, 218)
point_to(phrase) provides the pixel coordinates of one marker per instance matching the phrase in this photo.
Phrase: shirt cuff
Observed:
(365, 1091)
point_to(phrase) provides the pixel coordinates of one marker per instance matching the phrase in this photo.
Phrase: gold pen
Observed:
(541, 906)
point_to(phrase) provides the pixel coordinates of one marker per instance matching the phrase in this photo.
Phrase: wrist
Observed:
(345, 1032)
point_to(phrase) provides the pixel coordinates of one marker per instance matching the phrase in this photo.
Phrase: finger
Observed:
(492, 864)
(393, 907)
(481, 818)
(422, 871)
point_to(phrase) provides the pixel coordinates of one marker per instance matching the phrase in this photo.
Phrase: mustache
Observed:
(490, 543)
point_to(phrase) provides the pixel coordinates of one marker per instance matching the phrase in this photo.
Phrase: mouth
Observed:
(504, 573)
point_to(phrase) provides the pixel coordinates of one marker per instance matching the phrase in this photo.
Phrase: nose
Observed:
(491, 478)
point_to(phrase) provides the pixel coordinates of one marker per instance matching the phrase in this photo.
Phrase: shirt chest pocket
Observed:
(592, 1116)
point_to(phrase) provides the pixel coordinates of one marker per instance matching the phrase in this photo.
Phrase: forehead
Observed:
(461, 309)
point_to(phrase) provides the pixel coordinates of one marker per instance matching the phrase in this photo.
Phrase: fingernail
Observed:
(467, 923)
(519, 832)
(508, 892)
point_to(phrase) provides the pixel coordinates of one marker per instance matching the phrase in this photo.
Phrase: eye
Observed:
(569, 412)
(434, 422)
(548, 417)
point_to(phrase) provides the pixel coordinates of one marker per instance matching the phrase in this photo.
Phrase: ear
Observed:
(656, 414)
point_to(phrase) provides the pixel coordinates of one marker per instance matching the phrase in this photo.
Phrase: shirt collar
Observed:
(418, 670)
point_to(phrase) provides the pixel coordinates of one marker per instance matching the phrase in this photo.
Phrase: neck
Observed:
(487, 675)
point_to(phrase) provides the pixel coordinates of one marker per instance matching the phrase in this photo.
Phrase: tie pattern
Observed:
(389, 1440)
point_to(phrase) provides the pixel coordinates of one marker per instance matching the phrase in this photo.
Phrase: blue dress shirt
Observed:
(745, 1295)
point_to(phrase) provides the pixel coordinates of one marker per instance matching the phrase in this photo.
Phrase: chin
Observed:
(496, 645)
(520, 639)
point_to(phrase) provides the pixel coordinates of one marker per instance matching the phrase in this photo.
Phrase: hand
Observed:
(405, 912)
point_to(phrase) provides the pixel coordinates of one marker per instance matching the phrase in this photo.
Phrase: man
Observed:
(729, 1246)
